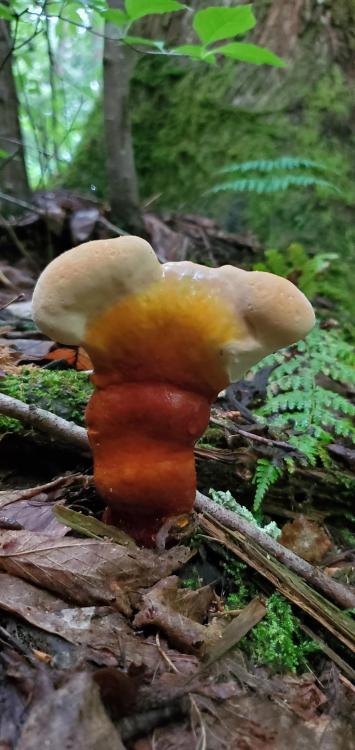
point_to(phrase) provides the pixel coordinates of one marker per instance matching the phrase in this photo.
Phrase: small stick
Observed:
(14, 299)
(55, 427)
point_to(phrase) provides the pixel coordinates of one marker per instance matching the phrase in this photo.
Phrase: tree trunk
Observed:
(13, 176)
(119, 62)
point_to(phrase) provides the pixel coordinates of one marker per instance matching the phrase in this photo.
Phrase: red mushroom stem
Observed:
(142, 436)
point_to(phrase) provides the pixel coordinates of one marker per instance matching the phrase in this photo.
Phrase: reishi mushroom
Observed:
(164, 339)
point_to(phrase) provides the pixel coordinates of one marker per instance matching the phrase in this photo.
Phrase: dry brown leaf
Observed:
(82, 224)
(35, 515)
(33, 508)
(100, 630)
(302, 695)
(8, 359)
(86, 571)
(28, 349)
(70, 717)
(13, 704)
(306, 538)
(177, 612)
(7, 497)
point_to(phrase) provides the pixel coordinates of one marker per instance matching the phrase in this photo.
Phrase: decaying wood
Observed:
(246, 531)
(55, 427)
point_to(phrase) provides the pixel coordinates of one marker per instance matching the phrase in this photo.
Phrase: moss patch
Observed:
(64, 393)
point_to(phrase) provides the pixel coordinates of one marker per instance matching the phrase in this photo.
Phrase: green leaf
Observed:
(4, 154)
(5, 12)
(136, 40)
(99, 5)
(113, 15)
(213, 24)
(140, 8)
(195, 51)
(250, 53)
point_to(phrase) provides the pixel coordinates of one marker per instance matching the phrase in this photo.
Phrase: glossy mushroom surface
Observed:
(164, 340)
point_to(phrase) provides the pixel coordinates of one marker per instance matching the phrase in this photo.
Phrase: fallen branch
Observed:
(343, 595)
(292, 586)
(55, 427)
(73, 436)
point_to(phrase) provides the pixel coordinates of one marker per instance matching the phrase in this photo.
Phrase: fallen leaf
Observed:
(74, 357)
(118, 689)
(7, 497)
(82, 224)
(8, 361)
(36, 515)
(86, 571)
(302, 695)
(306, 538)
(235, 630)
(70, 717)
(28, 349)
(33, 508)
(177, 612)
(169, 245)
(92, 527)
(13, 706)
(98, 630)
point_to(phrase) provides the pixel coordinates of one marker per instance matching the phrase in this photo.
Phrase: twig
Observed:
(7, 497)
(22, 204)
(11, 301)
(113, 227)
(343, 595)
(252, 436)
(55, 427)
(341, 663)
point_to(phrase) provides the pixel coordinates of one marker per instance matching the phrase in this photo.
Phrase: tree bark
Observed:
(119, 61)
(13, 175)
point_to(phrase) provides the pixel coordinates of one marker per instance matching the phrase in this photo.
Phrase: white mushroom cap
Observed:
(80, 284)
(275, 313)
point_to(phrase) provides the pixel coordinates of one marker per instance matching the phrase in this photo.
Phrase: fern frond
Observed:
(266, 474)
(272, 184)
(269, 165)
(306, 414)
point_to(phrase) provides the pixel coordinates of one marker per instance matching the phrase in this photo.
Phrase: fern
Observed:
(272, 184)
(300, 408)
(269, 165)
(266, 474)
(272, 176)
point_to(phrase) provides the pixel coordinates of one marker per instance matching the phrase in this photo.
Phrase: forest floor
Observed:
(222, 638)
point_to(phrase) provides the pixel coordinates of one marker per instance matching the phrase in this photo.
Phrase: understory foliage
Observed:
(307, 403)
(272, 175)
(307, 270)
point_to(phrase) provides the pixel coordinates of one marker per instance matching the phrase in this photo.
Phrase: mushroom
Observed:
(164, 339)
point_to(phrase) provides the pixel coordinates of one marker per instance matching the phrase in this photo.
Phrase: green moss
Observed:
(213, 437)
(277, 640)
(64, 393)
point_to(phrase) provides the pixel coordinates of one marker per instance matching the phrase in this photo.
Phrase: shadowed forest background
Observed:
(129, 118)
